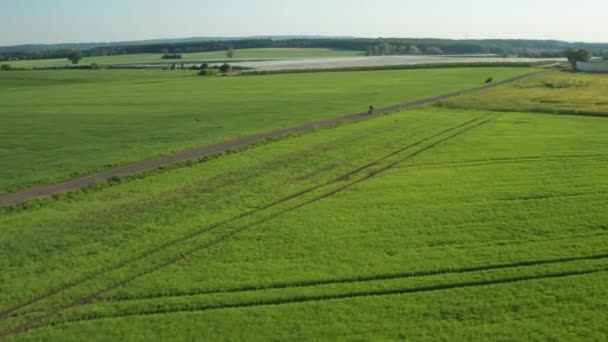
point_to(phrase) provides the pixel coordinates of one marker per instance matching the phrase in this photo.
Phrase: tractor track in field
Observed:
(552, 196)
(23, 196)
(505, 160)
(6, 312)
(95, 296)
(357, 279)
(338, 296)
(240, 175)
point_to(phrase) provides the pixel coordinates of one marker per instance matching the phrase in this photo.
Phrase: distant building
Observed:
(592, 66)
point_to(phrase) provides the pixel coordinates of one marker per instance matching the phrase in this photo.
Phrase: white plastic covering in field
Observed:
(592, 66)
(347, 62)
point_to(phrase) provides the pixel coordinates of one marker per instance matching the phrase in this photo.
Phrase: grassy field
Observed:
(464, 224)
(554, 92)
(187, 57)
(429, 224)
(58, 124)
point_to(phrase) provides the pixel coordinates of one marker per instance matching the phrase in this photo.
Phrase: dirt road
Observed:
(209, 150)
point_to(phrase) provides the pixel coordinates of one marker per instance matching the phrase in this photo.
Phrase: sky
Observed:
(68, 21)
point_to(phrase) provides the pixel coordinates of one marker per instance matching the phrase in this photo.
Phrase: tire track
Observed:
(233, 177)
(210, 150)
(551, 196)
(361, 279)
(95, 296)
(283, 160)
(127, 262)
(341, 296)
(505, 160)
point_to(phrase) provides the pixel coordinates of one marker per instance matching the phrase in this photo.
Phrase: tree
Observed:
(433, 50)
(575, 56)
(6, 67)
(375, 51)
(75, 57)
(230, 53)
(225, 68)
(413, 50)
(384, 49)
(207, 72)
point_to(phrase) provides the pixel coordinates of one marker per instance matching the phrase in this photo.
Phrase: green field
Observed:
(188, 57)
(59, 124)
(435, 223)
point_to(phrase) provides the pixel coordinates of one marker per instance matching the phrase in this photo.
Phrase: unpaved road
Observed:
(209, 150)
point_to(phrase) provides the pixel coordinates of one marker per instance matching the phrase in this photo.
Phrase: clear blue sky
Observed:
(53, 21)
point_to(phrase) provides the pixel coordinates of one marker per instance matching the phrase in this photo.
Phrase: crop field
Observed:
(58, 124)
(456, 221)
(189, 57)
(553, 93)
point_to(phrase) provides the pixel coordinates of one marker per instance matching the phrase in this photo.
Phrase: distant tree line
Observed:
(43, 54)
(363, 45)
(380, 46)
